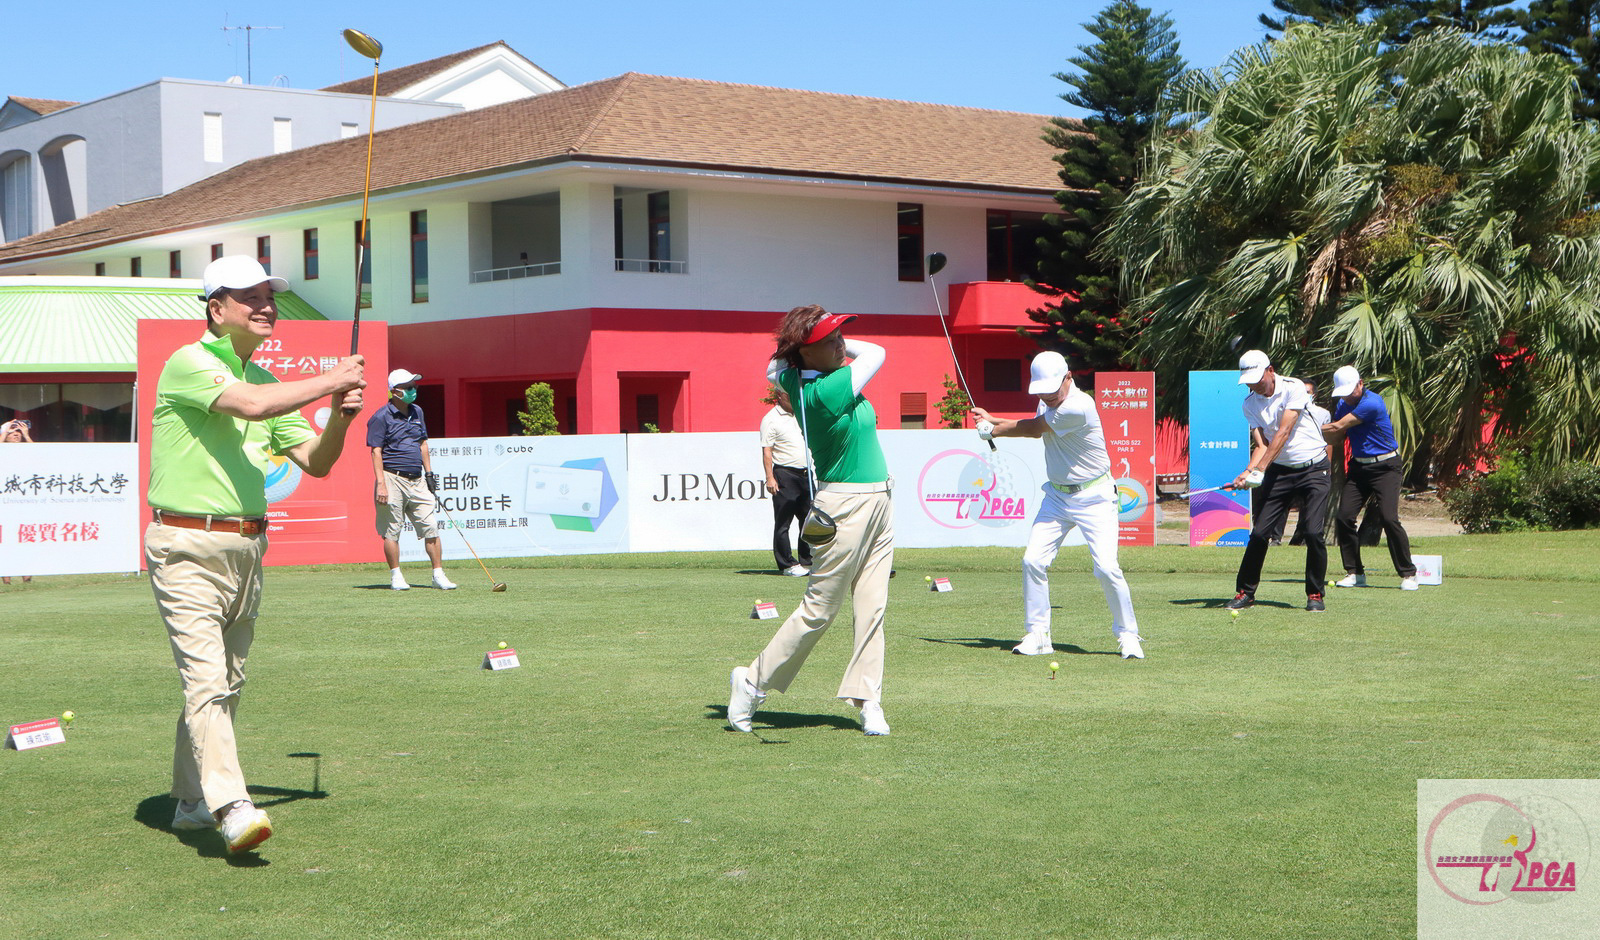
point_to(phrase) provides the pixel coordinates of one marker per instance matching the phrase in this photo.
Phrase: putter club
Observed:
(936, 263)
(372, 49)
(498, 587)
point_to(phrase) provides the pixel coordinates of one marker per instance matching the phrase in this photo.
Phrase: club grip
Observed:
(992, 447)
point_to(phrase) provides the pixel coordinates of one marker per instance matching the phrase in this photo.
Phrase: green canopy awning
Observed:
(49, 326)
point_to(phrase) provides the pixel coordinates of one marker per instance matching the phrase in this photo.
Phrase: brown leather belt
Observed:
(209, 523)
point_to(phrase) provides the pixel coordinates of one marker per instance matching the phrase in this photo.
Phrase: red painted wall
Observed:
(713, 359)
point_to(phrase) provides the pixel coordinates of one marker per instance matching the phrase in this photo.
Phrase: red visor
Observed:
(827, 325)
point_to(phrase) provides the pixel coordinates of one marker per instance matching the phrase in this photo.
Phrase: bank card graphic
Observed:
(563, 491)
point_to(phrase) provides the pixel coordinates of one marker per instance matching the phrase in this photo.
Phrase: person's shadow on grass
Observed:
(1219, 603)
(781, 721)
(994, 643)
(156, 812)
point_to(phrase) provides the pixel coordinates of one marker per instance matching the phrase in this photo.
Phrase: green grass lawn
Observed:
(1252, 778)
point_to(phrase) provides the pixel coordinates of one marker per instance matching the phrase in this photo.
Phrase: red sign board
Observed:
(1127, 403)
(309, 520)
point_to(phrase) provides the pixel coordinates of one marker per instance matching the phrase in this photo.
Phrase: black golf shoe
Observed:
(1240, 601)
(1314, 603)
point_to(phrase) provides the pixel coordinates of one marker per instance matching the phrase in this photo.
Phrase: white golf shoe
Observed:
(397, 581)
(190, 816)
(1351, 580)
(245, 827)
(1128, 646)
(1408, 584)
(797, 571)
(872, 720)
(743, 700)
(1035, 644)
(442, 582)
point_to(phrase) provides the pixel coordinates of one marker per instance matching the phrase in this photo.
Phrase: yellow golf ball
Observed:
(67, 717)
(1234, 615)
(1054, 666)
(927, 577)
(502, 646)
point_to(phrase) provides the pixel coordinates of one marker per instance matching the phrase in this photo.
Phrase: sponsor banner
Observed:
(1509, 859)
(950, 489)
(1219, 448)
(1127, 403)
(309, 520)
(69, 509)
(520, 496)
(698, 492)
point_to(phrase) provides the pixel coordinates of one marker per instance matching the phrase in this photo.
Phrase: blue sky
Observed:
(980, 53)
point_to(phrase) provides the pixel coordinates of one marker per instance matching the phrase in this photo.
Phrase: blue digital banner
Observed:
(1219, 448)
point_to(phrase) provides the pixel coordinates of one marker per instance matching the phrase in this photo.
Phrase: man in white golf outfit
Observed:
(1081, 492)
(1289, 461)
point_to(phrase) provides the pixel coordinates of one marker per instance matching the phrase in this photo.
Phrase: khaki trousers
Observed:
(208, 589)
(855, 564)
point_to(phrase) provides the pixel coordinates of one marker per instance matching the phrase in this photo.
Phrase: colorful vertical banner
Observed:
(309, 520)
(1127, 403)
(1219, 447)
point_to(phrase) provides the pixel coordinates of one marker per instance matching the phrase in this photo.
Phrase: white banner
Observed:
(520, 496)
(698, 492)
(69, 509)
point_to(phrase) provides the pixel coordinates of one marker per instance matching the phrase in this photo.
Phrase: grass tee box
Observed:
(1250, 778)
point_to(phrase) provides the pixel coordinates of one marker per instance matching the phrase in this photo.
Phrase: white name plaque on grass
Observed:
(496, 660)
(764, 610)
(35, 734)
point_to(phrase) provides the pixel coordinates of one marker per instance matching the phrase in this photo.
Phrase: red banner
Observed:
(310, 521)
(1127, 403)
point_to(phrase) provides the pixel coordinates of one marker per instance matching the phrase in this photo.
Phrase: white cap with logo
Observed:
(1252, 366)
(236, 272)
(1048, 371)
(1345, 380)
(401, 377)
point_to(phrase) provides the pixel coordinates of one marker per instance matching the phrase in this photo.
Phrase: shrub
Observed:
(1514, 497)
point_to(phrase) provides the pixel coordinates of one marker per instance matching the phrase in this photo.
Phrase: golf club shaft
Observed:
(939, 306)
(468, 542)
(1209, 489)
(361, 233)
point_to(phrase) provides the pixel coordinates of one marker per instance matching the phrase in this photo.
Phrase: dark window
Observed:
(99, 269)
(419, 257)
(913, 409)
(647, 411)
(660, 209)
(364, 256)
(216, 252)
(136, 267)
(309, 240)
(1013, 244)
(174, 264)
(909, 227)
(1002, 375)
(264, 252)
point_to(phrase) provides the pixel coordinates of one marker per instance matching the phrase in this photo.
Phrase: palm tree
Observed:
(1417, 211)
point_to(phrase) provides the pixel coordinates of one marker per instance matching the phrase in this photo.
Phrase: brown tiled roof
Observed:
(42, 106)
(633, 118)
(391, 82)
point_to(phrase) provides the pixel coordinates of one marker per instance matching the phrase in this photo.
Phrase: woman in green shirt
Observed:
(824, 374)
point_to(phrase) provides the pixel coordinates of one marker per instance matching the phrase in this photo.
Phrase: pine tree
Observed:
(955, 404)
(1568, 29)
(540, 418)
(1119, 83)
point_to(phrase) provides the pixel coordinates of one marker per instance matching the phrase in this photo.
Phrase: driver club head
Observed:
(499, 587)
(936, 263)
(364, 44)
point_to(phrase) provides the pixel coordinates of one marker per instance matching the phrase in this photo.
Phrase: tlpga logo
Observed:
(1494, 841)
(961, 488)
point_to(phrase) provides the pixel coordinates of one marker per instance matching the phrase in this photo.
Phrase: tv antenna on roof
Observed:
(248, 51)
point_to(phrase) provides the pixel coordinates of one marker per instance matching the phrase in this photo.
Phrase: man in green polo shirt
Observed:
(219, 422)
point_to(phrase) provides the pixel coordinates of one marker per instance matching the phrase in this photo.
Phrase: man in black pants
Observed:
(1290, 465)
(783, 455)
(1374, 467)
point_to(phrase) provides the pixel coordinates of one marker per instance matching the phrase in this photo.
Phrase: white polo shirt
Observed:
(781, 432)
(1305, 443)
(1074, 447)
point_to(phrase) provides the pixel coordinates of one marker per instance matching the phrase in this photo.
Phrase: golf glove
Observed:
(986, 430)
(1253, 479)
(433, 483)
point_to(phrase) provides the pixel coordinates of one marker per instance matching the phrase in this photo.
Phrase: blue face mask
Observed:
(408, 395)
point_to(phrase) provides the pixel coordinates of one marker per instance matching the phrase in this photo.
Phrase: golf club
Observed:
(498, 587)
(1167, 497)
(936, 262)
(372, 49)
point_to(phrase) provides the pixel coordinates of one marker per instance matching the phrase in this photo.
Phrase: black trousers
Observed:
(1361, 480)
(1280, 489)
(789, 504)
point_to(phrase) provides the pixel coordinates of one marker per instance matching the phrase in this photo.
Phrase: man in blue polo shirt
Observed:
(1361, 416)
(398, 436)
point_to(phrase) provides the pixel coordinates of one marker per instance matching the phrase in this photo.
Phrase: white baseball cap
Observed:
(236, 272)
(1252, 366)
(1048, 371)
(1345, 380)
(401, 377)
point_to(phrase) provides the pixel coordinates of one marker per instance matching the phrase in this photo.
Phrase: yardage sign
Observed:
(1127, 405)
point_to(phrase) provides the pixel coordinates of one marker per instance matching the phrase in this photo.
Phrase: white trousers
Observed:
(1094, 512)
